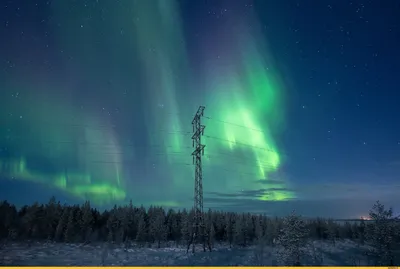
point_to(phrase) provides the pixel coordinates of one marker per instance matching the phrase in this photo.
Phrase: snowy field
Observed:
(344, 253)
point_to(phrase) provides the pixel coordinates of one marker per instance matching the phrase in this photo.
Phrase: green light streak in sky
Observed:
(59, 150)
(157, 28)
(249, 94)
(151, 51)
(80, 185)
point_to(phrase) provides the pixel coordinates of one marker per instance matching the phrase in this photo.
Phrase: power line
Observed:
(239, 143)
(96, 127)
(238, 172)
(130, 162)
(235, 124)
(244, 166)
(106, 126)
(94, 143)
(122, 153)
(261, 164)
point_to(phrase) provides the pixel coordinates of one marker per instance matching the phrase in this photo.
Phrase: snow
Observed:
(344, 253)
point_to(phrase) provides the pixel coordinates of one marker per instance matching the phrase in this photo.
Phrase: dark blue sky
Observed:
(338, 60)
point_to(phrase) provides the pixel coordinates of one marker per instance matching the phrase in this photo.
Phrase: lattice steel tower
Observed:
(198, 232)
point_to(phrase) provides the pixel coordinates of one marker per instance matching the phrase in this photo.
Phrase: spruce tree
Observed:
(292, 240)
(381, 233)
(141, 235)
(62, 224)
(69, 233)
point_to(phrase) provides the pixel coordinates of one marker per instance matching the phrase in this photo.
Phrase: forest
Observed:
(156, 227)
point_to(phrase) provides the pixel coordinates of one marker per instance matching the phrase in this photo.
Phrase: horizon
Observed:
(101, 210)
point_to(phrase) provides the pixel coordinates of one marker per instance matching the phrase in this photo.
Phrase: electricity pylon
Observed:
(198, 230)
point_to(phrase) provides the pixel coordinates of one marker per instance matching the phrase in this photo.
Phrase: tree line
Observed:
(156, 227)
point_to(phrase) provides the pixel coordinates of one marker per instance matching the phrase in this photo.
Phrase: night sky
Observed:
(301, 103)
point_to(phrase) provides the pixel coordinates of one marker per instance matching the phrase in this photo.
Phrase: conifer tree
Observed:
(86, 221)
(381, 234)
(62, 224)
(292, 240)
(158, 228)
(186, 228)
(141, 236)
(70, 229)
(230, 228)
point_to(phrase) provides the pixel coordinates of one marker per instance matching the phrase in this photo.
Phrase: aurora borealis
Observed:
(98, 97)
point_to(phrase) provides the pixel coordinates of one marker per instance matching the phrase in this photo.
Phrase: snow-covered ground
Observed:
(61, 254)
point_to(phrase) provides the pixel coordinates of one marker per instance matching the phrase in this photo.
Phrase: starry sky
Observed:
(301, 103)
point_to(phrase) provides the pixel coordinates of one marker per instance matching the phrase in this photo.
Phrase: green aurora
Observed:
(95, 163)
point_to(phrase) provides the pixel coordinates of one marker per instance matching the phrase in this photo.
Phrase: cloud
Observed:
(270, 181)
(249, 193)
(337, 200)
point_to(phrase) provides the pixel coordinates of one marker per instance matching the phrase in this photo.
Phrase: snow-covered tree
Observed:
(142, 232)
(242, 229)
(210, 229)
(128, 223)
(238, 230)
(211, 236)
(86, 221)
(8, 220)
(260, 241)
(69, 232)
(187, 228)
(130, 218)
(52, 216)
(158, 228)
(230, 228)
(258, 230)
(112, 225)
(174, 225)
(292, 240)
(62, 224)
(381, 233)
(30, 220)
(271, 230)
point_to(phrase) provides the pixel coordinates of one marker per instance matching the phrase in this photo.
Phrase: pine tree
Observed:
(258, 230)
(211, 236)
(158, 228)
(131, 215)
(52, 217)
(210, 229)
(260, 241)
(186, 229)
(381, 234)
(86, 222)
(69, 233)
(30, 220)
(239, 230)
(112, 225)
(174, 226)
(291, 240)
(62, 224)
(272, 227)
(141, 235)
(230, 228)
